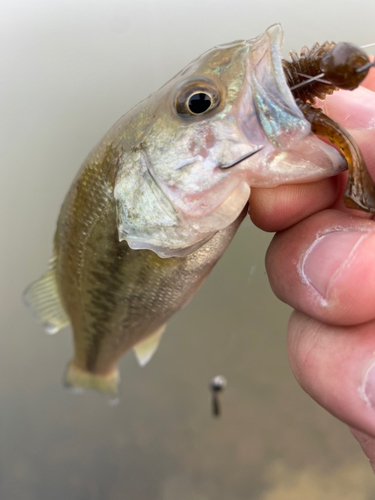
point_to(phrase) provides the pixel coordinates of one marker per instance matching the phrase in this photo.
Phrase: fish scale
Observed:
(126, 295)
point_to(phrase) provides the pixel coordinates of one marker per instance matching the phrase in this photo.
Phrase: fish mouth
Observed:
(280, 118)
(242, 158)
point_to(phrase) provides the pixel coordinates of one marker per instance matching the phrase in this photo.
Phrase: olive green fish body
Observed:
(158, 201)
(115, 296)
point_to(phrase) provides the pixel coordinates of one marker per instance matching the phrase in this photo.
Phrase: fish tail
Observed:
(78, 378)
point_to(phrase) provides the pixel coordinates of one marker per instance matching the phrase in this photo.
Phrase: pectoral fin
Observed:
(146, 349)
(43, 298)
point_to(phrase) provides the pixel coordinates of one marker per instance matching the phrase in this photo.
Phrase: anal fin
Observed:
(145, 350)
(43, 298)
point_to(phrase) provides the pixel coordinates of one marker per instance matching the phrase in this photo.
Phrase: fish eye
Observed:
(196, 98)
(199, 103)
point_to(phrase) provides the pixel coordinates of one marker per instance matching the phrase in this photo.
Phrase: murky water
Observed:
(69, 70)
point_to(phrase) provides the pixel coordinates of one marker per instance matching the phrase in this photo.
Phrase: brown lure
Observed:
(316, 73)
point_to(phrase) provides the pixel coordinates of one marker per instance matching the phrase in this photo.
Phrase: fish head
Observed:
(226, 122)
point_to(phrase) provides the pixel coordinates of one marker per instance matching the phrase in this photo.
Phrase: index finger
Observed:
(369, 81)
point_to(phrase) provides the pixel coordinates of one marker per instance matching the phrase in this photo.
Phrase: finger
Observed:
(324, 266)
(354, 110)
(336, 367)
(278, 208)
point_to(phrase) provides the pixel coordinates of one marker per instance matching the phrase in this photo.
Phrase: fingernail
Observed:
(352, 109)
(328, 256)
(367, 390)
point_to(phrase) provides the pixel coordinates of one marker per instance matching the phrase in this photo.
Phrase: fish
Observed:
(158, 201)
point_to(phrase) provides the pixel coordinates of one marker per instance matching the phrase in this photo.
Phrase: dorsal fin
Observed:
(43, 298)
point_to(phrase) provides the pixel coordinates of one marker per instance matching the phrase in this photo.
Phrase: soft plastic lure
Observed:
(316, 73)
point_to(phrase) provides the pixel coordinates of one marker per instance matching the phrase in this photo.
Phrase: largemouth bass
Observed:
(158, 201)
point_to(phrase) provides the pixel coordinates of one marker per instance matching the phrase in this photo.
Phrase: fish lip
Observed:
(241, 159)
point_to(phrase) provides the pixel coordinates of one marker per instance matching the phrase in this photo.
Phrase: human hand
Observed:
(322, 263)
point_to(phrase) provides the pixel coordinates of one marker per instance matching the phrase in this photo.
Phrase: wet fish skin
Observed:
(115, 296)
(151, 210)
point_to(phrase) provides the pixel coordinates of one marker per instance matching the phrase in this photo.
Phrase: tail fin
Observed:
(43, 298)
(107, 384)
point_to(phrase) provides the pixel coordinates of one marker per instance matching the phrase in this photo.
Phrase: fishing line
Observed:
(312, 79)
(365, 67)
(318, 78)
